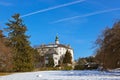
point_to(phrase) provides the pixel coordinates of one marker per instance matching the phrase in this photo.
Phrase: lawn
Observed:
(4, 73)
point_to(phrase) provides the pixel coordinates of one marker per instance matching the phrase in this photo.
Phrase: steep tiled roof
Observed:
(55, 46)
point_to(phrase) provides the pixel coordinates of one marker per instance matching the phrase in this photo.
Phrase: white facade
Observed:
(56, 50)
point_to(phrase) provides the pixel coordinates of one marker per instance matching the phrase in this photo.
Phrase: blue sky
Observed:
(77, 22)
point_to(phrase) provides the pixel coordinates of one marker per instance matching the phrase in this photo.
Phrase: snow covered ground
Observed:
(64, 75)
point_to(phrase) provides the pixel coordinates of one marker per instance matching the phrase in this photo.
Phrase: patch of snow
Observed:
(39, 75)
(63, 75)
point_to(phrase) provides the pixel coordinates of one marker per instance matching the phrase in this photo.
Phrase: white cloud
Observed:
(51, 8)
(86, 15)
(5, 3)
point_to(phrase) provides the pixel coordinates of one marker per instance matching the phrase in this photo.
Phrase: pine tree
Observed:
(50, 62)
(18, 41)
(67, 58)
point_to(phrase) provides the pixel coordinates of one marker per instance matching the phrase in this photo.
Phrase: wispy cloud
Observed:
(5, 3)
(86, 15)
(51, 8)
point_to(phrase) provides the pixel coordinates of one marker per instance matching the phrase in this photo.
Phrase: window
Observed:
(55, 58)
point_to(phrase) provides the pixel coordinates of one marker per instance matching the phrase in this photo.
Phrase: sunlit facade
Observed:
(55, 50)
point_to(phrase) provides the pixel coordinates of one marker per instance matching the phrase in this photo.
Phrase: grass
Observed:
(4, 73)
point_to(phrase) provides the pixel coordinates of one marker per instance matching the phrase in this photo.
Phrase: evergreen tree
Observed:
(49, 59)
(67, 58)
(18, 41)
(37, 59)
(50, 62)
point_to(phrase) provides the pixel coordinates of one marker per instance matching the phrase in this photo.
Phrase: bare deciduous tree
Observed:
(108, 49)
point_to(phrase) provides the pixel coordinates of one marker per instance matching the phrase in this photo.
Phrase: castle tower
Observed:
(56, 40)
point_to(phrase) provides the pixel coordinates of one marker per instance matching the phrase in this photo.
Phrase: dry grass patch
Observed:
(3, 73)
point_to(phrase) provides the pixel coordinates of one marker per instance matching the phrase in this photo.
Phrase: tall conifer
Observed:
(67, 58)
(18, 41)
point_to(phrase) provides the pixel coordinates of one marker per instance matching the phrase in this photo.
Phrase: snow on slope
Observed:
(63, 75)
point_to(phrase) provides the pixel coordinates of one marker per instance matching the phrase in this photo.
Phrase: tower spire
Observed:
(56, 40)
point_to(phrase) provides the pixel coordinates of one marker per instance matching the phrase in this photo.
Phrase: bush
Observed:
(47, 68)
(79, 67)
(65, 67)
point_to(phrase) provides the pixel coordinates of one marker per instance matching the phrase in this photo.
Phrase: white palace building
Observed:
(55, 50)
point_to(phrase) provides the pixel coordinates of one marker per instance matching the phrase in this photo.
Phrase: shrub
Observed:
(79, 67)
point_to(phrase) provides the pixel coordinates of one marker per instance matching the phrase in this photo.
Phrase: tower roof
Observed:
(56, 38)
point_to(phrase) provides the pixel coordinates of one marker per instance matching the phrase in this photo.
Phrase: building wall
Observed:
(57, 52)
